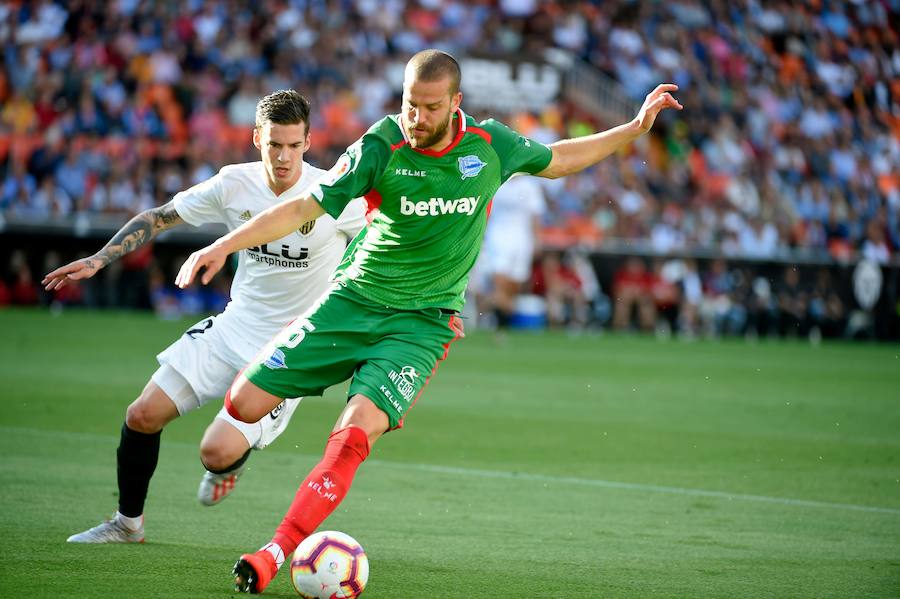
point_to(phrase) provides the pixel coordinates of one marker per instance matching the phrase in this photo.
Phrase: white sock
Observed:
(276, 551)
(133, 524)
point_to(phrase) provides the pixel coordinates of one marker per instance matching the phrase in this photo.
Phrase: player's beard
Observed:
(436, 136)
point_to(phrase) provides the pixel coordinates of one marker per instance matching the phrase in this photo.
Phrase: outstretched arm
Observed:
(268, 225)
(573, 155)
(135, 233)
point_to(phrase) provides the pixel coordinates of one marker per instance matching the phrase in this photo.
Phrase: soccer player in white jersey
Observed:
(510, 240)
(274, 283)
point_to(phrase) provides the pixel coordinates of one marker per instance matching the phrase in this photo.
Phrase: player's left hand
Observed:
(456, 325)
(212, 257)
(655, 102)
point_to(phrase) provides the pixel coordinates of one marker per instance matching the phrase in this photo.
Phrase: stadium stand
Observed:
(788, 153)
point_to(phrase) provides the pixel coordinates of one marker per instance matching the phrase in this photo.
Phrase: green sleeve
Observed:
(518, 154)
(355, 173)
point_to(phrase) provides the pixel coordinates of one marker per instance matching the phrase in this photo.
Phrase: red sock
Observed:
(324, 488)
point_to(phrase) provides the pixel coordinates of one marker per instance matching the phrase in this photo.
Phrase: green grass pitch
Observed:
(546, 467)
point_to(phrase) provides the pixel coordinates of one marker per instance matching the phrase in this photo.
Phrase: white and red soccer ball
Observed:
(329, 565)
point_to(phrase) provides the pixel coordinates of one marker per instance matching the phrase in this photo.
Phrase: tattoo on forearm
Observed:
(165, 216)
(137, 232)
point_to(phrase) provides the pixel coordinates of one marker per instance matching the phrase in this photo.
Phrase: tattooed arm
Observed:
(135, 233)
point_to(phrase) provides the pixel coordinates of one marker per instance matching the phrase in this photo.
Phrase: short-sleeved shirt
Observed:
(516, 204)
(429, 209)
(278, 280)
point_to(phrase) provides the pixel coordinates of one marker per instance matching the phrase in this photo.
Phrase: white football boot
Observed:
(110, 531)
(216, 487)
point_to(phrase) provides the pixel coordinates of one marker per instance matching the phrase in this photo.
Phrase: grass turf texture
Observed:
(549, 467)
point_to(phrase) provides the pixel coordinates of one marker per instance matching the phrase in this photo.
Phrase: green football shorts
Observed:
(391, 354)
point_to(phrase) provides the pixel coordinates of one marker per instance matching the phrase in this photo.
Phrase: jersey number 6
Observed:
(294, 335)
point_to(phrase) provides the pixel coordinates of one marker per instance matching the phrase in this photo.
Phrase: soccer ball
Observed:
(329, 565)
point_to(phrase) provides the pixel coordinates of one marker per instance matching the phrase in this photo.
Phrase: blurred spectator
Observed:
(827, 312)
(18, 114)
(691, 298)
(663, 285)
(875, 247)
(242, 106)
(721, 310)
(559, 285)
(792, 304)
(24, 290)
(72, 175)
(118, 193)
(163, 297)
(762, 309)
(5, 294)
(49, 201)
(631, 293)
(510, 243)
(133, 283)
(18, 189)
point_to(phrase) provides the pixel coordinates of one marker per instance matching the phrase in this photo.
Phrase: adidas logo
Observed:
(245, 215)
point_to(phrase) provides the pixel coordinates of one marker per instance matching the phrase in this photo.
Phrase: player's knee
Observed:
(217, 455)
(143, 418)
(362, 413)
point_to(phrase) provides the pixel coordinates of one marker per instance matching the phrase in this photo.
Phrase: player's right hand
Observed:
(73, 271)
(655, 102)
(212, 258)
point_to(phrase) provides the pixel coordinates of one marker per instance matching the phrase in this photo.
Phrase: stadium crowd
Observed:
(790, 146)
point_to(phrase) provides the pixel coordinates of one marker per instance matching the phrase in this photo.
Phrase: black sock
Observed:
(240, 462)
(503, 318)
(136, 460)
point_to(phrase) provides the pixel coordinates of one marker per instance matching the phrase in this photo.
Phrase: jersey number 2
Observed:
(201, 328)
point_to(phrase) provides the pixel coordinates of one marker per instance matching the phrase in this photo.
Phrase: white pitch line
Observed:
(611, 484)
(526, 477)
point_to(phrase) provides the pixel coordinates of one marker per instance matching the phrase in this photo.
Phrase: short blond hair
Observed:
(433, 65)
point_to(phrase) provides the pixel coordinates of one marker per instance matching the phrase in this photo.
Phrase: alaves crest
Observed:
(470, 166)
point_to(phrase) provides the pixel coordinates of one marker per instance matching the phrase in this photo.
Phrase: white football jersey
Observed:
(513, 209)
(279, 280)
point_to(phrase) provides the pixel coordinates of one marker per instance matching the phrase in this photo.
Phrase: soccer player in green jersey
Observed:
(428, 174)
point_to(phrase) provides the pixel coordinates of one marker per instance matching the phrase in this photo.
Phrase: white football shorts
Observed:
(512, 260)
(193, 372)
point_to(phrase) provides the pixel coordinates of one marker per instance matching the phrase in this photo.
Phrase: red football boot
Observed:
(254, 571)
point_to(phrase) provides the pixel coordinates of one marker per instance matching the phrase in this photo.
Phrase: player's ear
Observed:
(307, 142)
(455, 101)
(256, 139)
